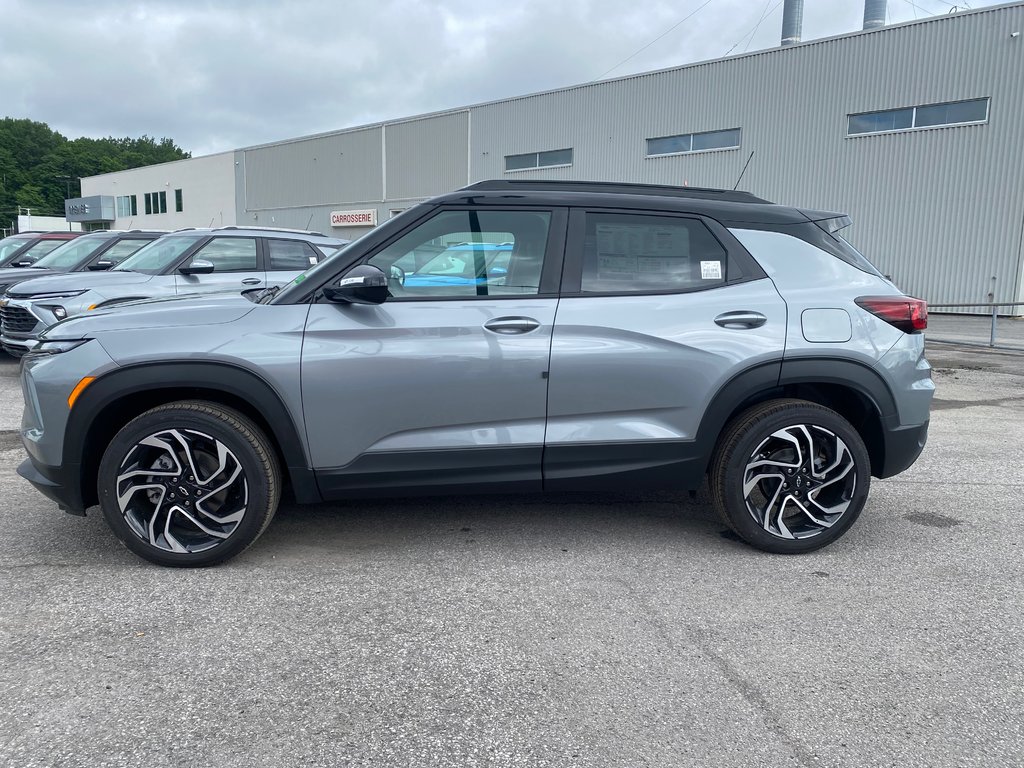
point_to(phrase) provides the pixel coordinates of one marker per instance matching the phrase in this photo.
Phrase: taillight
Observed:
(908, 314)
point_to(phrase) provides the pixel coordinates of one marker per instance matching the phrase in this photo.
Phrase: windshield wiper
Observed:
(268, 294)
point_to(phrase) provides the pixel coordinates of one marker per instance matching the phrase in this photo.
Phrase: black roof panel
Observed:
(727, 206)
(618, 188)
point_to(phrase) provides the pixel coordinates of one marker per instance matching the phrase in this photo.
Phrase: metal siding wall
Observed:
(337, 169)
(940, 210)
(427, 157)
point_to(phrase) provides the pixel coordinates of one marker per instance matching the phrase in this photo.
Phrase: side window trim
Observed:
(740, 265)
(262, 255)
(551, 272)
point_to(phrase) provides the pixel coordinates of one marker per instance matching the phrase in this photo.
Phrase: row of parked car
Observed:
(509, 336)
(48, 277)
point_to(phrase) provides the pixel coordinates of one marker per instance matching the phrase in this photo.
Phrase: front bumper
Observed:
(16, 347)
(21, 324)
(56, 483)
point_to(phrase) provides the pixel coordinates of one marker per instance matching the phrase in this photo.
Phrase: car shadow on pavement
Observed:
(536, 521)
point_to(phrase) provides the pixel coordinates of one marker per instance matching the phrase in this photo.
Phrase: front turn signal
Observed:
(79, 388)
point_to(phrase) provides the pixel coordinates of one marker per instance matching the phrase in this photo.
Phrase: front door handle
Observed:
(741, 319)
(251, 281)
(511, 325)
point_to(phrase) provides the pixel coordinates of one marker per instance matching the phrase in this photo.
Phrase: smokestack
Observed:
(792, 21)
(874, 14)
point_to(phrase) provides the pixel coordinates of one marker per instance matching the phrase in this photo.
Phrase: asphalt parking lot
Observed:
(538, 631)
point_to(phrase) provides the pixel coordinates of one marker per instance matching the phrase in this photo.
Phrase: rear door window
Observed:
(291, 255)
(636, 253)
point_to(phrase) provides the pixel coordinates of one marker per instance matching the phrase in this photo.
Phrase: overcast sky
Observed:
(215, 76)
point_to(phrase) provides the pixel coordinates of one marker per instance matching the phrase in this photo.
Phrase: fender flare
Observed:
(232, 380)
(753, 383)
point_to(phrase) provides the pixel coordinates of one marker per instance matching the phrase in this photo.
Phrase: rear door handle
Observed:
(508, 326)
(741, 319)
(251, 281)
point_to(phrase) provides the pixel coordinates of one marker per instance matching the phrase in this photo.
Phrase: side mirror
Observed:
(197, 267)
(363, 284)
(101, 265)
(25, 263)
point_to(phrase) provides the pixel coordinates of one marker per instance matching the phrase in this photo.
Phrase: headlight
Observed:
(56, 295)
(55, 347)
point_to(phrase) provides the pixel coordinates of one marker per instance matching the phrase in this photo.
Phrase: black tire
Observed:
(765, 442)
(207, 439)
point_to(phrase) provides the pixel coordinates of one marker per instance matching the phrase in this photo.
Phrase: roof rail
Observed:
(616, 188)
(277, 229)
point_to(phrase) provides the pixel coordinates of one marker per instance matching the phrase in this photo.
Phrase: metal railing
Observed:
(991, 316)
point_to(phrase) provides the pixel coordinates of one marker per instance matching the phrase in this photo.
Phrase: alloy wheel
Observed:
(799, 481)
(182, 490)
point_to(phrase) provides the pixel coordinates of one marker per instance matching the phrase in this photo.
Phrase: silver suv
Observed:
(635, 337)
(183, 262)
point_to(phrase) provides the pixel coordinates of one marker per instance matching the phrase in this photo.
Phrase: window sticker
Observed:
(630, 252)
(711, 270)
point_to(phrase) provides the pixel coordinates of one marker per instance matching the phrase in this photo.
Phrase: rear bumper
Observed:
(56, 483)
(902, 447)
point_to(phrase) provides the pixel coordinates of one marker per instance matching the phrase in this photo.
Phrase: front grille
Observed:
(15, 320)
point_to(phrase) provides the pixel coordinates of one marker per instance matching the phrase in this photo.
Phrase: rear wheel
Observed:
(189, 484)
(790, 476)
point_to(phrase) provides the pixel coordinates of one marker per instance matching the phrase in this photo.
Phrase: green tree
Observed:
(31, 196)
(39, 167)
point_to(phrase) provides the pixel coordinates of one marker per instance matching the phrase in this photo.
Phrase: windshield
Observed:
(158, 255)
(71, 254)
(35, 252)
(9, 246)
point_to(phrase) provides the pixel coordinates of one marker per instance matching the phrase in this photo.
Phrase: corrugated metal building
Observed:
(914, 129)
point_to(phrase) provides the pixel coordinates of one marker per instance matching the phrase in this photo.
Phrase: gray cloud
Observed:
(215, 76)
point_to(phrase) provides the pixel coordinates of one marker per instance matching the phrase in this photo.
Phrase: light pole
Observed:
(67, 181)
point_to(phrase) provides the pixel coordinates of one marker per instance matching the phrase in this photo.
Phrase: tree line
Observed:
(39, 167)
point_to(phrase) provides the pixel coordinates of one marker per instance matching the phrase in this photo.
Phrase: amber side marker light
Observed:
(79, 388)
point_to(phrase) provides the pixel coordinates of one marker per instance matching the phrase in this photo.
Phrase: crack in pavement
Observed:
(748, 691)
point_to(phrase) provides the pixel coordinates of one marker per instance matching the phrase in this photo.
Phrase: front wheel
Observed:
(790, 476)
(189, 484)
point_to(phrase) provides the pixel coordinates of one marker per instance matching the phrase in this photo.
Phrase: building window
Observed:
(925, 116)
(127, 205)
(178, 207)
(549, 159)
(693, 142)
(156, 202)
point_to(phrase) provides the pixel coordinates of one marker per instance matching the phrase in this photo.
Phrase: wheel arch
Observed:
(114, 399)
(854, 390)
